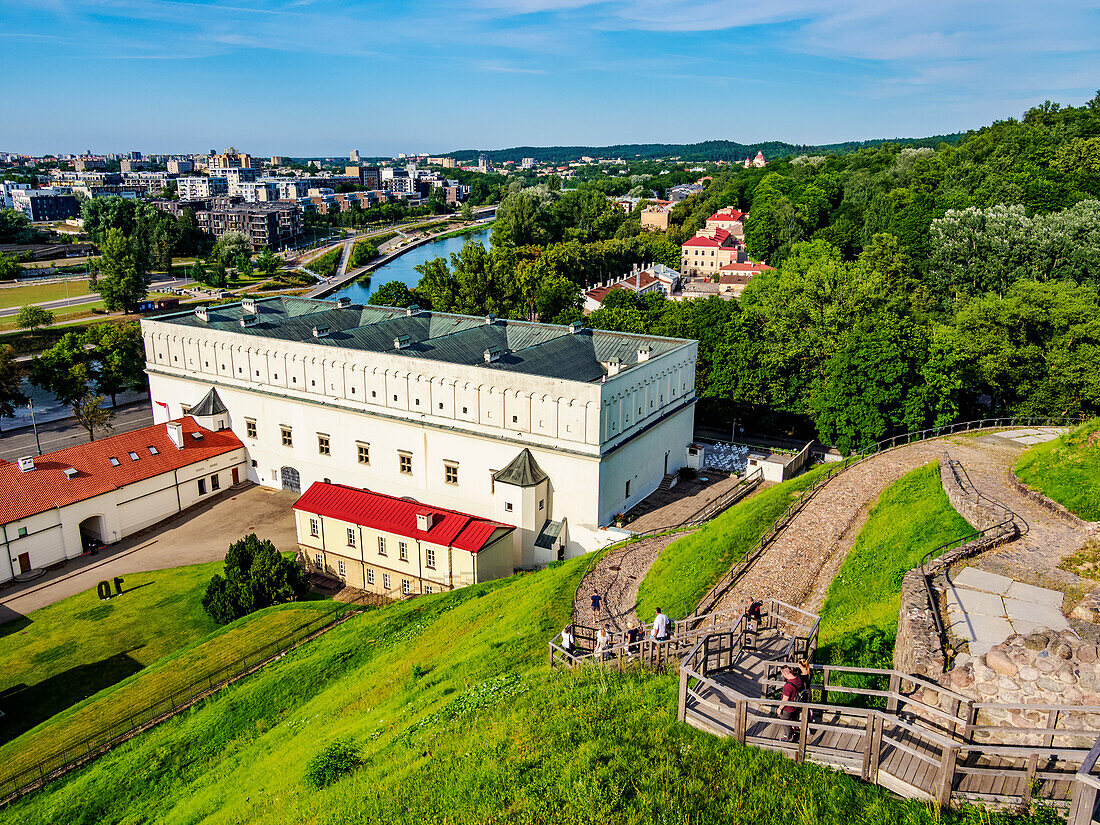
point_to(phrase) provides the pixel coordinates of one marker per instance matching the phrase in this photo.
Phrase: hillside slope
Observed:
(460, 722)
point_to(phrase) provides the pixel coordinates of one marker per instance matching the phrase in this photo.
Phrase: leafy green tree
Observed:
(63, 369)
(363, 252)
(11, 382)
(117, 277)
(256, 576)
(32, 317)
(518, 221)
(9, 268)
(89, 412)
(267, 262)
(116, 355)
(466, 212)
(15, 227)
(392, 294)
(231, 246)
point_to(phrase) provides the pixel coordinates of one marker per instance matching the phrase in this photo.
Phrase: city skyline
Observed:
(313, 78)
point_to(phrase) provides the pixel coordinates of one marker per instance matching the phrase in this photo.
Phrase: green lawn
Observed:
(460, 721)
(1067, 470)
(63, 653)
(911, 517)
(690, 566)
(325, 265)
(17, 296)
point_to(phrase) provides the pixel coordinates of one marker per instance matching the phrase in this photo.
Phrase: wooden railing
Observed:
(921, 741)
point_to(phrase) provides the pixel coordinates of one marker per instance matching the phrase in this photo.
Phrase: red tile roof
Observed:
(726, 215)
(721, 238)
(398, 515)
(748, 266)
(47, 486)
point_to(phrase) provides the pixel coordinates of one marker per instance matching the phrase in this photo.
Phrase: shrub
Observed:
(256, 575)
(339, 759)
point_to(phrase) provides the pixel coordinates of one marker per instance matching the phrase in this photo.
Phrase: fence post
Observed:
(681, 709)
(1084, 802)
(803, 735)
(947, 776)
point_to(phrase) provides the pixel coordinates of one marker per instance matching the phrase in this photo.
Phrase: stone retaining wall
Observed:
(1044, 502)
(979, 512)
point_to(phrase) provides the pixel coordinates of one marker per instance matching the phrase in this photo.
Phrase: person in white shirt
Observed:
(603, 644)
(568, 643)
(660, 627)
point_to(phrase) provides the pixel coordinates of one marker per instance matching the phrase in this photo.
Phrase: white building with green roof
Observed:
(549, 428)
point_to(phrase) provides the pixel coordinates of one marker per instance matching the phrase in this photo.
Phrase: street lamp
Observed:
(34, 426)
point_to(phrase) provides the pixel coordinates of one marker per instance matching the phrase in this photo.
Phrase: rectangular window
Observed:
(405, 463)
(202, 486)
(403, 551)
(318, 562)
(288, 439)
(450, 473)
(381, 545)
(250, 428)
(429, 557)
(541, 503)
(340, 564)
(386, 580)
(507, 506)
(428, 589)
(314, 527)
(364, 452)
(406, 588)
(215, 482)
(351, 537)
(628, 489)
(22, 532)
(322, 445)
(370, 576)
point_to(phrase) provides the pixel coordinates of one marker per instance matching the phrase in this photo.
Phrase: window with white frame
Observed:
(370, 576)
(351, 537)
(381, 545)
(341, 566)
(450, 472)
(323, 445)
(319, 562)
(403, 550)
(363, 452)
(386, 580)
(406, 587)
(429, 557)
(314, 527)
(405, 463)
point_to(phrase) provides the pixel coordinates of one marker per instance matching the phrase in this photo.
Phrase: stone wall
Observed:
(917, 649)
(1044, 502)
(1046, 667)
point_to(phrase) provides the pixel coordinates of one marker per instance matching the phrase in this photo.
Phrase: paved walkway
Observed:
(617, 577)
(198, 535)
(670, 508)
(984, 608)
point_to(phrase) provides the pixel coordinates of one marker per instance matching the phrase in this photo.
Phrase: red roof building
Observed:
(396, 545)
(58, 505)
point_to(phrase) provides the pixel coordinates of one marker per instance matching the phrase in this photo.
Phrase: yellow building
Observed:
(396, 546)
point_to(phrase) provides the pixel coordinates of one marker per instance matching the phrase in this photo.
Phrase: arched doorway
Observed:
(93, 534)
(291, 480)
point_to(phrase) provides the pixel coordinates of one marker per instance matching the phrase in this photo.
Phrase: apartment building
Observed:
(45, 204)
(271, 225)
(199, 188)
(709, 251)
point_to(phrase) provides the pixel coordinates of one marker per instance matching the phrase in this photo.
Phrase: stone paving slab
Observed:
(1033, 612)
(975, 579)
(973, 601)
(1030, 436)
(1039, 595)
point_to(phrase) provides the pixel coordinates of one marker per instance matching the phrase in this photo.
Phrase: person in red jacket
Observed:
(792, 687)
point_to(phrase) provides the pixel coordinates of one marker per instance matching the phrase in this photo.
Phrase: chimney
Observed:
(424, 521)
(26, 464)
(250, 320)
(613, 367)
(320, 331)
(492, 354)
(643, 353)
(576, 327)
(490, 319)
(201, 313)
(248, 305)
(342, 302)
(175, 433)
(401, 341)
(411, 310)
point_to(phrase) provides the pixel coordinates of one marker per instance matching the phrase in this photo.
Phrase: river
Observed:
(403, 268)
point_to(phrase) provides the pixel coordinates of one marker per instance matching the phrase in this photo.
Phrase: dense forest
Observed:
(708, 150)
(914, 286)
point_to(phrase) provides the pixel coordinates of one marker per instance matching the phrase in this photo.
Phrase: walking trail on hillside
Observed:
(617, 577)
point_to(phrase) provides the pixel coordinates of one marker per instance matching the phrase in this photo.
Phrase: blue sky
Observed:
(315, 77)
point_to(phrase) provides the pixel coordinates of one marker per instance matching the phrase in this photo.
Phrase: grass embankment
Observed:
(466, 230)
(325, 265)
(690, 566)
(64, 653)
(198, 660)
(460, 721)
(18, 296)
(1067, 470)
(363, 252)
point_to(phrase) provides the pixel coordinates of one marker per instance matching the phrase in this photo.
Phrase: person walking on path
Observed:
(633, 638)
(660, 627)
(603, 644)
(792, 687)
(568, 642)
(596, 603)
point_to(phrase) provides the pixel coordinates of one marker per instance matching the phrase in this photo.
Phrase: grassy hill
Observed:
(459, 721)
(1067, 470)
(66, 652)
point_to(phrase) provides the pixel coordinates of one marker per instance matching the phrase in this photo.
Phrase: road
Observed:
(92, 297)
(57, 435)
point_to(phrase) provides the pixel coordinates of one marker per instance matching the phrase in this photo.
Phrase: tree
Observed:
(32, 317)
(15, 227)
(11, 382)
(518, 221)
(116, 354)
(9, 268)
(392, 294)
(256, 576)
(118, 278)
(63, 369)
(267, 262)
(90, 413)
(467, 212)
(231, 246)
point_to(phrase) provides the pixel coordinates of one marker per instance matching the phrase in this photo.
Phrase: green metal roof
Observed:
(211, 404)
(522, 471)
(549, 350)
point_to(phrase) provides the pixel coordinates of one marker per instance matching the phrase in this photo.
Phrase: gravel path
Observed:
(617, 577)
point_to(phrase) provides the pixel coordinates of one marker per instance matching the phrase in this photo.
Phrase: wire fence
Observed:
(26, 780)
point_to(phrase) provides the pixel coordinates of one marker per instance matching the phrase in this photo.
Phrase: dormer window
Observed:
(133, 456)
(197, 436)
(153, 450)
(114, 461)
